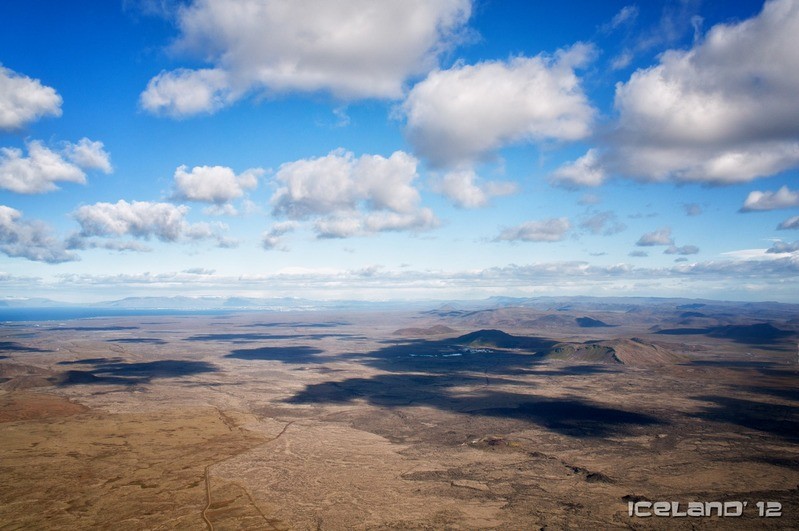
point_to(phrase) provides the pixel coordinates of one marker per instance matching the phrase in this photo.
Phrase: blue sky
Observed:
(442, 149)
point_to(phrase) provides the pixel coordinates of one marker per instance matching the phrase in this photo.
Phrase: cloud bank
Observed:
(351, 49)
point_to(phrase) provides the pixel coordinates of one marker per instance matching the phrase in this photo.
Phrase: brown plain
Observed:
(395, 420)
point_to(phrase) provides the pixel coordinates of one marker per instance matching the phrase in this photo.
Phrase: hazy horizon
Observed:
(453, 149)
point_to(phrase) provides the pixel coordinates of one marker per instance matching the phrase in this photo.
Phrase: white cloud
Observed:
(464, 189)
(30, 239)
(145, 220)
(76, 242)
(360, 224)
(214, 184)
(548, 230)
(556, 278)
(24, 100)
(724, 111)
(349, 196)
(738, 279)
(790, 223)
(43, 167)
(463, 114)
(185, 92)
(89, 155)
(638, 254)
(419, 220)
(351, 48)
(585, 171)
(339, 226)
(340, 181)
(273, 237)
(225, 209)
(658, 237)
(782, 198)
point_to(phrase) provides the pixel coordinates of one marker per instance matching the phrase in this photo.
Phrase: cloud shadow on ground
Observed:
(115, 371)
(434, 373)
(570, 416)
(775, 419)
(18, 347)
(144, 340)
(288, 354)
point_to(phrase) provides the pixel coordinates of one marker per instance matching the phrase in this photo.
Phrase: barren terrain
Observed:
(503, 418)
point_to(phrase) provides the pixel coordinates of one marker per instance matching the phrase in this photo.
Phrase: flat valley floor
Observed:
(509, 418)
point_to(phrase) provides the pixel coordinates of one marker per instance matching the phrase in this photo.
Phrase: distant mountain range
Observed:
(213, 303)
(460, 308)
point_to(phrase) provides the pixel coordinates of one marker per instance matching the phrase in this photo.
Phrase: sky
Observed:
(408, 150)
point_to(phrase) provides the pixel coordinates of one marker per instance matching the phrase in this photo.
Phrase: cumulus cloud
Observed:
(781, 247)
(352, 49)
(30, 239)
(467, 112)
(658, 237)
(548, 230)
(24, 100)
(273, 237)
(347, 195)
(144, 220)
(185, 92)
(339, 181)
(42, 167)
(585, 171)
(790, 223)
(213, 184)
(605, 223)
(638, 254)
(782, 198)
(464, 189)
(724, 111)
(682, 250)
(88, 155)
